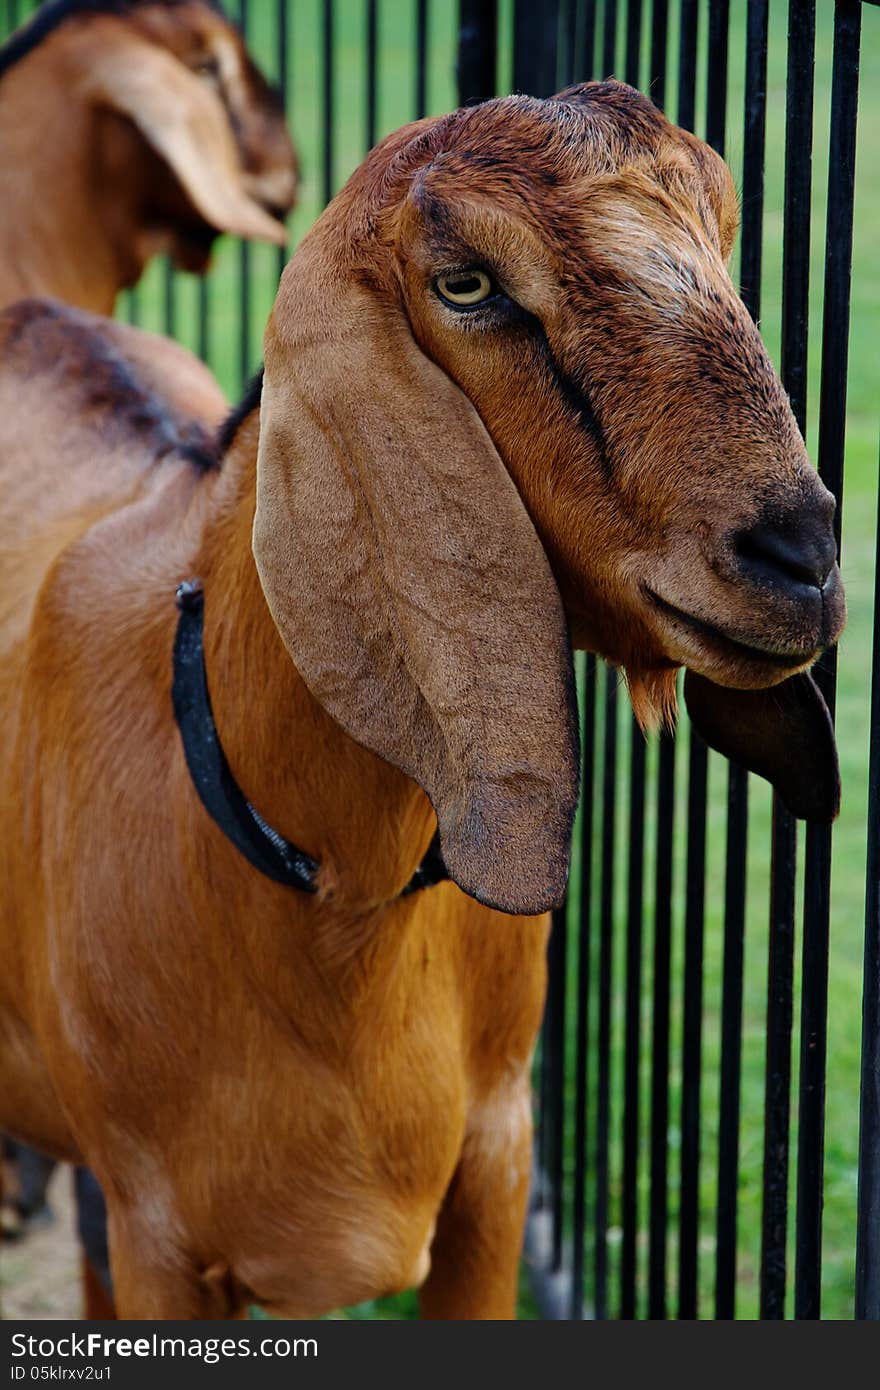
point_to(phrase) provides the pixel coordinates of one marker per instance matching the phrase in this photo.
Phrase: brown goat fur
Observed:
(127, 130)
(308, 1101)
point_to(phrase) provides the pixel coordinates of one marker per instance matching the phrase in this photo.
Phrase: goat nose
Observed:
(797, 547)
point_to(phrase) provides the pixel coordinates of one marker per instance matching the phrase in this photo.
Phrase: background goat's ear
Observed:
(185, 122)
(409, 585)
(784, 734)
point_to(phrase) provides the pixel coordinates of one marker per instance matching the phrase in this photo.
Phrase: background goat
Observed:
(130, 128)
(510, 396)
(169, 134)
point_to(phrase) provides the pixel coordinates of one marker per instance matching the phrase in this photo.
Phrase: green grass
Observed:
(230, 360)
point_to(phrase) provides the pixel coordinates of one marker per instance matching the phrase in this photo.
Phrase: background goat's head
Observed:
(186, 137)
(536, 293)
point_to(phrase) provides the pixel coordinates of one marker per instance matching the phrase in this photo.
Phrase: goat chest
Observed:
(300, 1114)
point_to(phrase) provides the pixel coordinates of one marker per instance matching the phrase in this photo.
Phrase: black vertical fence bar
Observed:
(659, 50)
(716, 84)
(609, 39)
(582, 1019)
(780, 985)
(659, 1191)
(245, 365)
(477, 50)
(754, 130)
(535, 47)
(633, 42)
(692, 1030)
(327, 161)
(588, 42)
(282, 31)
(371, 86)
(754, 135)
(817, 876)
(553, 1078)
(632, 1025)
(688, 35)
(731, 1041)
(606, 946)
(798, 187)
(421, 87)
(204, 317)
(867, 1300)
(777, 1088)
(568, 54)
(635, 896)
(169, 314)
(659, 1187)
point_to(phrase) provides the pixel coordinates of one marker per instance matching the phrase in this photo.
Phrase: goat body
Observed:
(270, 1089)
(488, 418)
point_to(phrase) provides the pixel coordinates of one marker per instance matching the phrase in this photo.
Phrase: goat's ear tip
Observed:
(784, 734)
(519, 894)
(514, 857)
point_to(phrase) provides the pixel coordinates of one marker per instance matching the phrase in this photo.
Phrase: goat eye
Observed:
(465, 287)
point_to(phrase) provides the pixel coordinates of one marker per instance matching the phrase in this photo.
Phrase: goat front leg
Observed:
(154, 1279)
(476, 1250)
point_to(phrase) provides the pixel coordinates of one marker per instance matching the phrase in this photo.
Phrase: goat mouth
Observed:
(727, 645)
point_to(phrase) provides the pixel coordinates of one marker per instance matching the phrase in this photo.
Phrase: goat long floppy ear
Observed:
(186, 123)
(409, 584)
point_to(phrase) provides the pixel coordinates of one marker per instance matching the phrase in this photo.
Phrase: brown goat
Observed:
(130, 128)
(510, 394)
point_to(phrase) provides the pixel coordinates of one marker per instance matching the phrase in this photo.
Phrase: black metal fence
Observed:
(664, 1082)
(583, 1165)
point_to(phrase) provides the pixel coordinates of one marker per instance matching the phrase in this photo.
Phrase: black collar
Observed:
(212, 777)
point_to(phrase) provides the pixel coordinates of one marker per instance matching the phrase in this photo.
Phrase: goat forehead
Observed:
(616, 222)
(525, 167)
(554, 141)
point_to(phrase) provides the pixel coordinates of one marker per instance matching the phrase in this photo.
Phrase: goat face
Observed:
(536, 292)
(575, 287)
(191, 140)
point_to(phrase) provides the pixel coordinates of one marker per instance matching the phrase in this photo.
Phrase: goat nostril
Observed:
(803, 550)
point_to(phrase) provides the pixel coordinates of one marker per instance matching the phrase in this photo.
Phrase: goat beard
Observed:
(653, 695)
